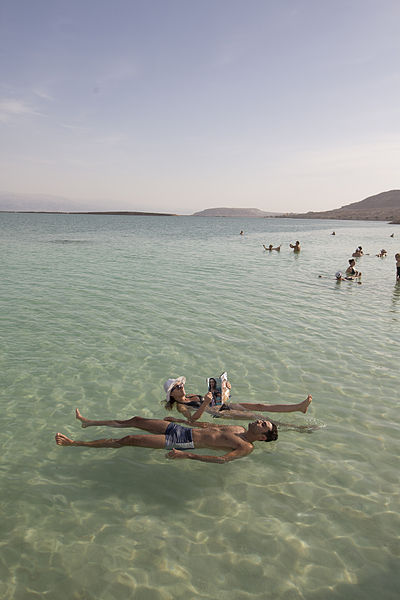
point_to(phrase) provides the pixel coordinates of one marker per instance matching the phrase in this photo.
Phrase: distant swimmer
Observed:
(236, 441)
(397, 257)
(382, 253)
(296, 246)
(339, 277)
(392, 235)
(270, 248)
(358, 252)
(333, 233)
(350, 271)
(241, 232)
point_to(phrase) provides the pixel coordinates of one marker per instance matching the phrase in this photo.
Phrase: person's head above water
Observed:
(173, 388)
(263, 431)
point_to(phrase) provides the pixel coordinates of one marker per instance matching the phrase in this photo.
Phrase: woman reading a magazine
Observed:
(192, 406)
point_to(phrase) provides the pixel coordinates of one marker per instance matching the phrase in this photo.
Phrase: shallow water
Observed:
(97, 311)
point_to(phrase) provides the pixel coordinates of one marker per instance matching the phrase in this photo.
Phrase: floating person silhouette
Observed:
(235, 440)
(270, 248)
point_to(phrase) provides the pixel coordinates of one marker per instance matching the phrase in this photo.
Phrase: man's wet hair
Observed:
(272, 434)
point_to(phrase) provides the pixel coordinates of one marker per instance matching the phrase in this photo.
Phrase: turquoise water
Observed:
(97, 311)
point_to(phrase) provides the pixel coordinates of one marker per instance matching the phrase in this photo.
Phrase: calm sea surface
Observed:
(97, 311)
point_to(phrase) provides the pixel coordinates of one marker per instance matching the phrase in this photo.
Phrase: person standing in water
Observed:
(350, 271)
(296, 246)
(397, 257)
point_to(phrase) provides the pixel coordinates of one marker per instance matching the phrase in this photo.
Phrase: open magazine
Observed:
(219, 389)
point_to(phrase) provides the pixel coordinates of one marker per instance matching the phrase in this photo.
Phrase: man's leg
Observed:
(144, 441)
(152, 425)
(282, 408)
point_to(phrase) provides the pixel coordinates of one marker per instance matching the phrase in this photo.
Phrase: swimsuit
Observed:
(178, 437)
(194, 403)
(197, 403)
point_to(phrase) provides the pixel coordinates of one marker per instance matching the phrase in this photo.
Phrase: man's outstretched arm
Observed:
(233, 455)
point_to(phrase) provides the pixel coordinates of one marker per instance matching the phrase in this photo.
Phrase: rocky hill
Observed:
(381, 207)
(234, 212)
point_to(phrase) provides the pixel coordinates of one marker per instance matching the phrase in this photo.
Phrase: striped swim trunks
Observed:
(178, 437)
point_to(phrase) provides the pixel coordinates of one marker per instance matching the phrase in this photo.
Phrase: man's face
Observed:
(260, 427)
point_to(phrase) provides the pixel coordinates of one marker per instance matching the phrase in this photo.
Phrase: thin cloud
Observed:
(11, 108)
(43, 94)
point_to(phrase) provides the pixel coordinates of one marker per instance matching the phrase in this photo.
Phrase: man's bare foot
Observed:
(305, 404)
(83, 420)
(62, 440)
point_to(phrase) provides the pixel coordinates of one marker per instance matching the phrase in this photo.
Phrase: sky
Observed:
(181, 105)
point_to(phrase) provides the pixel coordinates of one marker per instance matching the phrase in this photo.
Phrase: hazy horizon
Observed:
(176, 106)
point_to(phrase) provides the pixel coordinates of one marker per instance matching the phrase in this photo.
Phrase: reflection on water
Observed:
(396, 297)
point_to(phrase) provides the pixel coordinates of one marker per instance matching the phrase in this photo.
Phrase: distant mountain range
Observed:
(381, 207)
(234, 212)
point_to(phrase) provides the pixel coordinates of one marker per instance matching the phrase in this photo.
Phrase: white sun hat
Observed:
(171, 383)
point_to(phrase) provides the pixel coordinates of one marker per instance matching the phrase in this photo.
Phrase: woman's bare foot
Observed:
(62, 440)
(305, 404)
(83, 420)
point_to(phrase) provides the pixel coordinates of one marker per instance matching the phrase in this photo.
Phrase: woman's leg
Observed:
(281, 408)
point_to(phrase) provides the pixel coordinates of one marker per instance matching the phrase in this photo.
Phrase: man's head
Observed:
(263, 431)
(175, 390)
